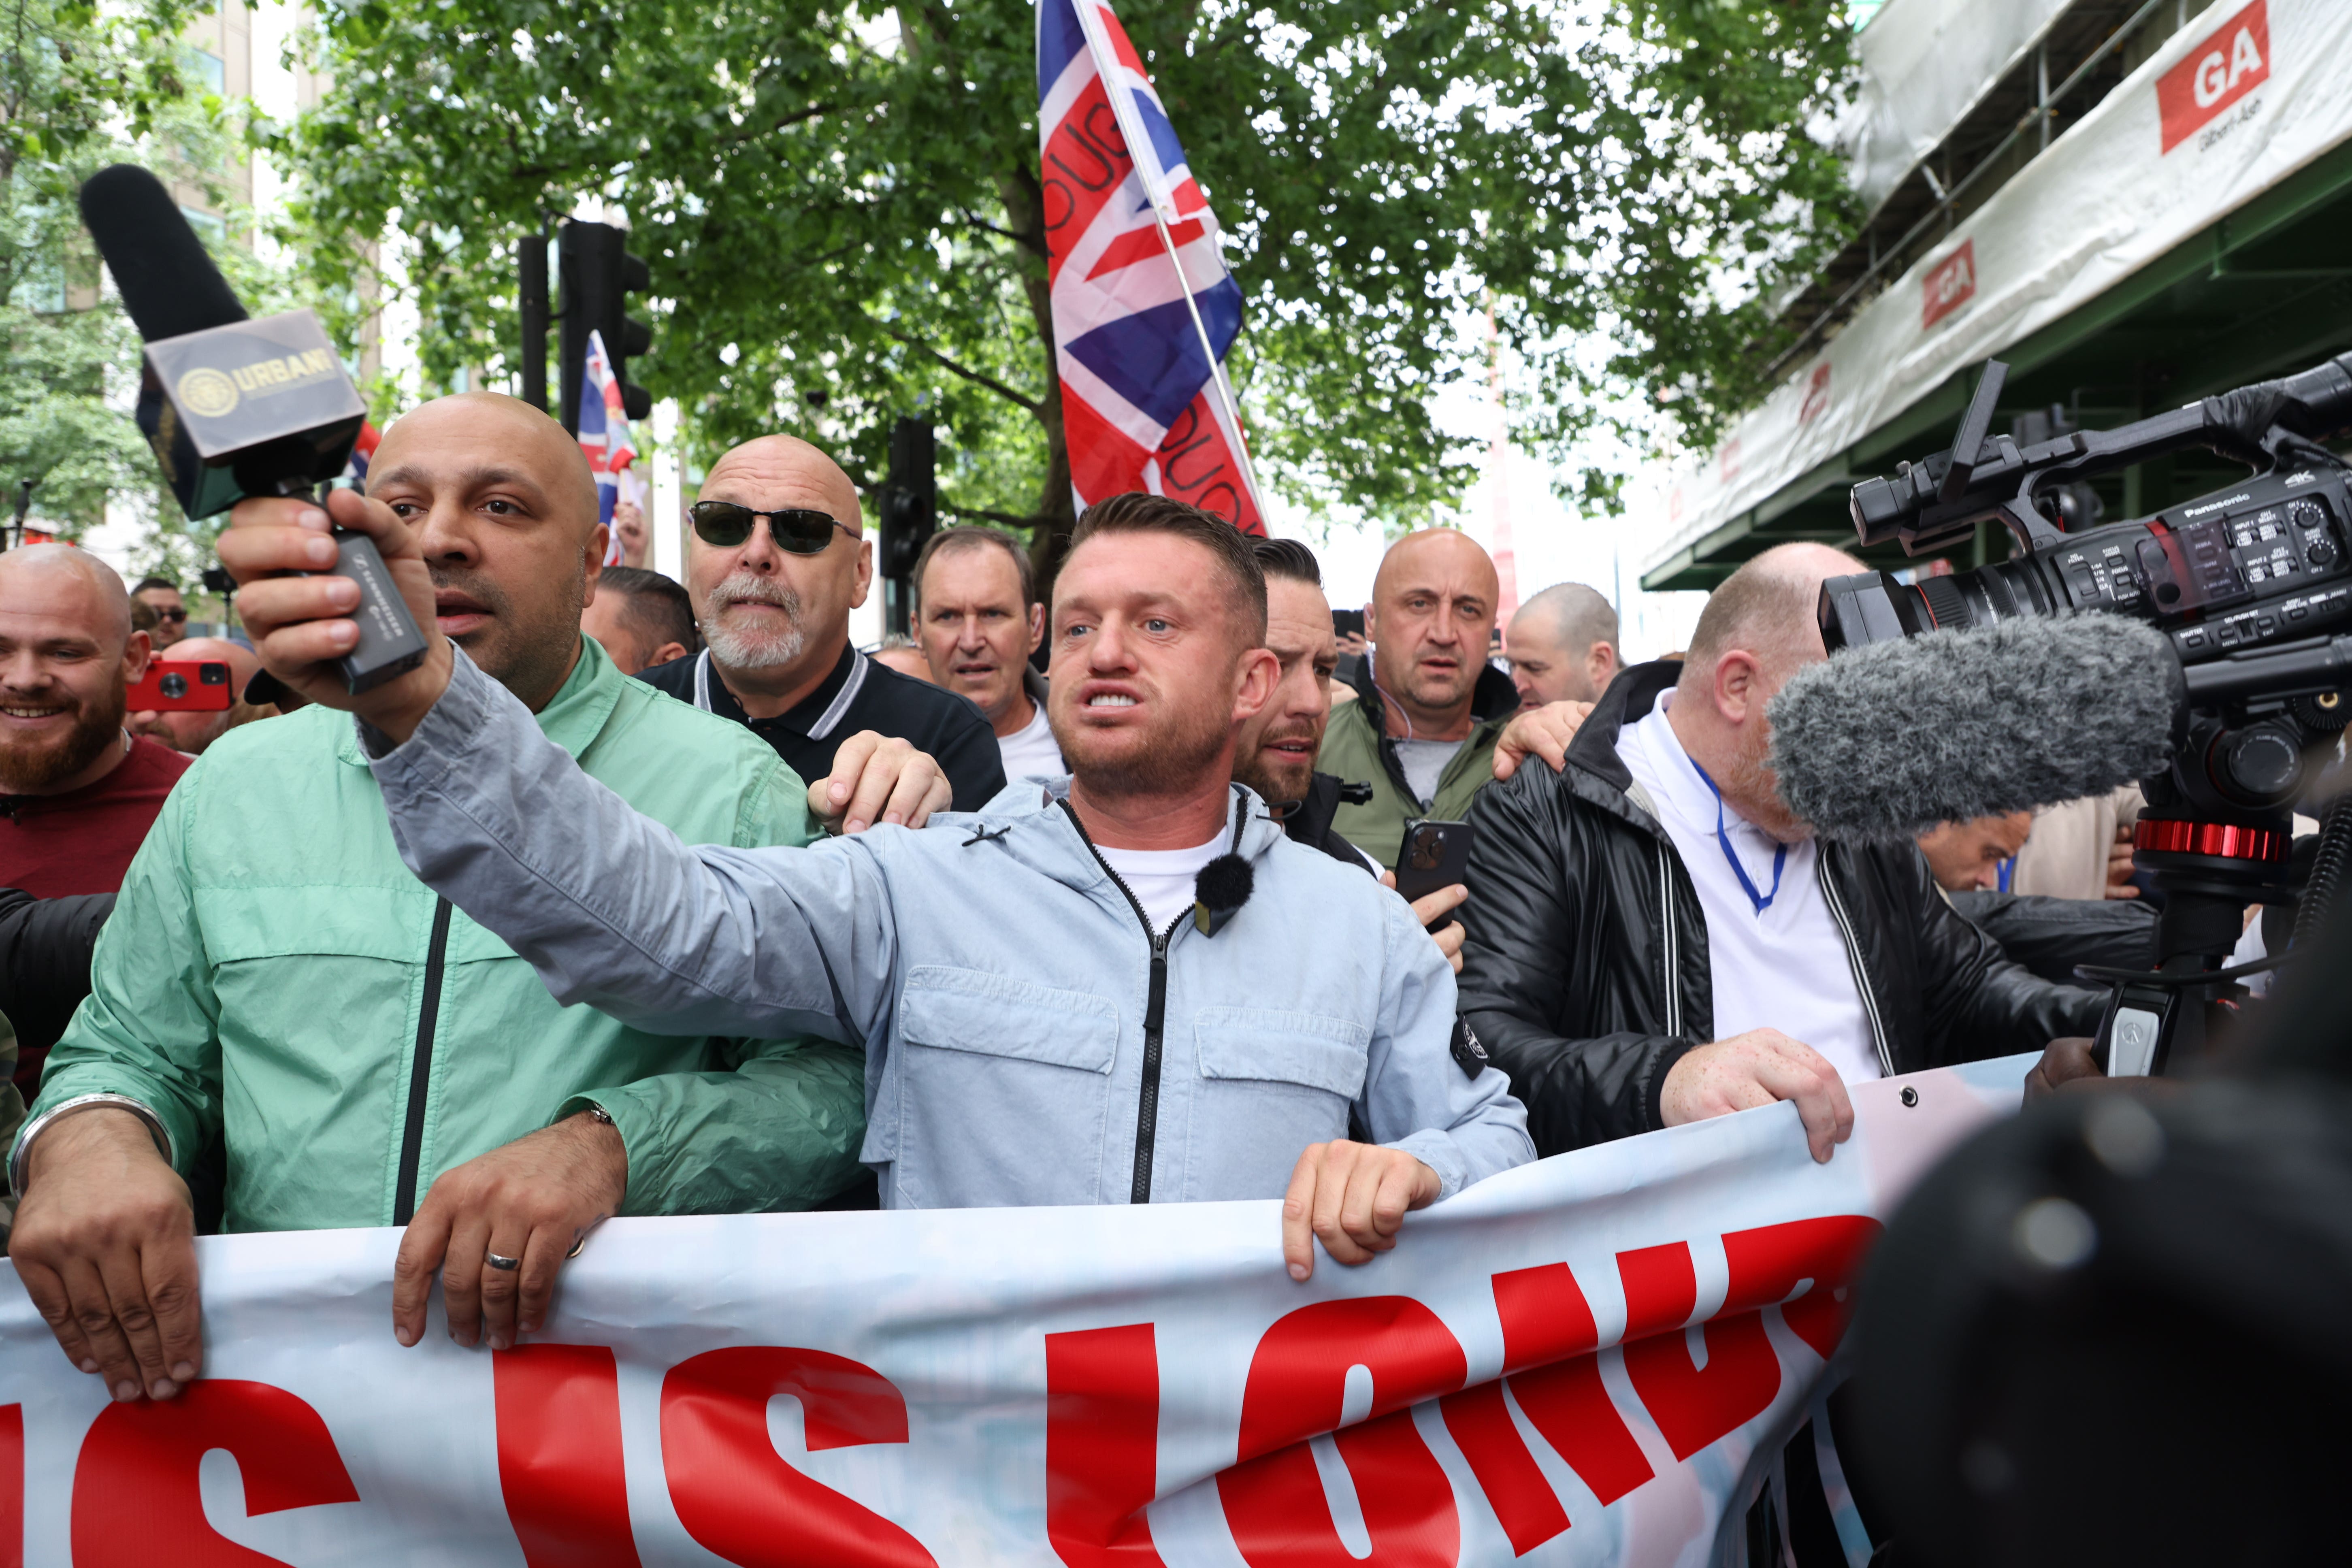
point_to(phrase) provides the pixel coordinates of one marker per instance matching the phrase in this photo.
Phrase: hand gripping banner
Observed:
(1097, 1388)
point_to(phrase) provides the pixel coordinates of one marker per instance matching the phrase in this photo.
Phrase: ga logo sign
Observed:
(2234, 61)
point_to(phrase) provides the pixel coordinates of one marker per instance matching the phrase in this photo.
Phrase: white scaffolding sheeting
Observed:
(2225, 110)
(1924, 65)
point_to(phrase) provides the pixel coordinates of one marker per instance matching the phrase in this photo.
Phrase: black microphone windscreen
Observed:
(168, 284)
(1884, 741)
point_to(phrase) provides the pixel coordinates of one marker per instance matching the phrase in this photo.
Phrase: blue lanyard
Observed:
(2008, 869)
(1779, 855)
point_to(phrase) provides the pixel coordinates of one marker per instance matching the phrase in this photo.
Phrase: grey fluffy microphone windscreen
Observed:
(1882, 742)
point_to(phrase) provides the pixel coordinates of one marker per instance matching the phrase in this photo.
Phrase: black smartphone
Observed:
(1348, 622)
(1434, 855)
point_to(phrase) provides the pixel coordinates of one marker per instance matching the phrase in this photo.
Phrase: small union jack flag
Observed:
(605, 435)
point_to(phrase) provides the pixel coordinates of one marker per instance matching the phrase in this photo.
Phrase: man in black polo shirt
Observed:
(777, 561)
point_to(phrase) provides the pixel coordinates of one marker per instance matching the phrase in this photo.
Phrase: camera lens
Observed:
(174, 686)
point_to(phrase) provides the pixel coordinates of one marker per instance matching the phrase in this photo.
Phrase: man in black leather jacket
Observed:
(1587, 971)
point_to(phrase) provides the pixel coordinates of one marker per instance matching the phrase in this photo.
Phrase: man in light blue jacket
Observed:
(1127, 986)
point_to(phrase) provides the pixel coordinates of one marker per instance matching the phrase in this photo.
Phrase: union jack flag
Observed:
(1144, 309)
(362, 453)
(605, 435)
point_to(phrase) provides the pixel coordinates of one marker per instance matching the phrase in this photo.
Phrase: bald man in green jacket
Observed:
(276, 996)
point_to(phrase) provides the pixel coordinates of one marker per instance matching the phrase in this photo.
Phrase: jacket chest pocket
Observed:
(1003, 1093)
(1273, 1080)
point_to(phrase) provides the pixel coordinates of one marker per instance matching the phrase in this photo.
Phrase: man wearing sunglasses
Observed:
(777, 561)
(162, 596)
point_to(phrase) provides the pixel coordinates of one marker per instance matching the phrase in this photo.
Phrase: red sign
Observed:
(2234, 61)
(1817, 395)
(1951, 284)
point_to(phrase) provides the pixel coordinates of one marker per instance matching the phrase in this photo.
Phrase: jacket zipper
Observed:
(420, 1069)
(1155, 1020)
(1672, 957)
(1854, 962)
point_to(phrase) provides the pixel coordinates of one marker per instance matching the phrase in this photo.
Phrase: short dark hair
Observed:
(1137, 513)
(147, 582)
(657, 608)
(1287, 558)
(972, 536)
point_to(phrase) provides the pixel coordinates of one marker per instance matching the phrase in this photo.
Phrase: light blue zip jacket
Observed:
(1001, 979)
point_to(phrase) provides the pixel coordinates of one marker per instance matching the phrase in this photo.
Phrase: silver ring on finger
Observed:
(502, 1263)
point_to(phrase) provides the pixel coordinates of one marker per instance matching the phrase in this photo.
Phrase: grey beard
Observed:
(752, 650)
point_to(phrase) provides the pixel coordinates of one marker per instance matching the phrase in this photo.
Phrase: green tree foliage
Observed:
(81, 87)
(842, 207)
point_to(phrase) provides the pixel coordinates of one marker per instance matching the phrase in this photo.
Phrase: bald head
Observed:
(76, 584)
(1430, 621)
(1562, 645)
(67, 655)
(776, 620)
(762, 470)
(1769, 607)
(539, 448)
(1433, 553)
(504, 510)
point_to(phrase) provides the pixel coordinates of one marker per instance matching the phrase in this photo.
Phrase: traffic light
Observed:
(909, 510)
(598, 276)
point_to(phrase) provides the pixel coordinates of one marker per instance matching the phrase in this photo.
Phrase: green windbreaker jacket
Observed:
(1356, 748)
(292, 1001)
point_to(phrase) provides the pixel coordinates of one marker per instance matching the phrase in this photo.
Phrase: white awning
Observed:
(2225, 110)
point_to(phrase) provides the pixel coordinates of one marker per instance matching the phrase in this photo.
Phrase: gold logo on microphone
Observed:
(207, 393)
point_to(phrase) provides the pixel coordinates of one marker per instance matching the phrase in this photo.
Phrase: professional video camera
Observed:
(2253, 586)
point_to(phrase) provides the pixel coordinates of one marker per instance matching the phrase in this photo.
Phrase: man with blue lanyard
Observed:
(1653, 937)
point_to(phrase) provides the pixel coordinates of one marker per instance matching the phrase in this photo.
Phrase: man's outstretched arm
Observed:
(607, 905)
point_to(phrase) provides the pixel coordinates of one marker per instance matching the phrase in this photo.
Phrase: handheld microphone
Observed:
(1882, 742)
(233, 407)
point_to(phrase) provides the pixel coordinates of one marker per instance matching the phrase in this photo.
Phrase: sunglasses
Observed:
(796, 530)
(173, 615)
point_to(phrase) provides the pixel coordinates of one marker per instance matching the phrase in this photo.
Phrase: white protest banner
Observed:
(1096, 1388)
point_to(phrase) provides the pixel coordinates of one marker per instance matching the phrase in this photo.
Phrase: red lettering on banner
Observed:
(1480, 1424)
(2231, 63)
(1547, 1338)
(737, 1496)
(1545, 1320)
(1950, 284)
(136, 1502)
(1274, 1500)
(1692, 1405)
(1767, 1264)
(560, 1465)
(1102, 1446)
(12, 1486)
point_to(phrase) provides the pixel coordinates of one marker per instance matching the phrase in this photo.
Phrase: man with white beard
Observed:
(777, 561)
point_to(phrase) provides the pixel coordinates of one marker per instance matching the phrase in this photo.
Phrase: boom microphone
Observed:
(233, 407)
(1884, 742)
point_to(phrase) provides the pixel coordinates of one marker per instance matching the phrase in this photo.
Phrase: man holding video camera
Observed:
(286, 1026)
(1665, 852)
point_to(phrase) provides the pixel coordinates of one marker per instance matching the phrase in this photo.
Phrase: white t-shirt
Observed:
(1784, 968)
(1029, 753)
(1161, 879)
(1424, 763)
